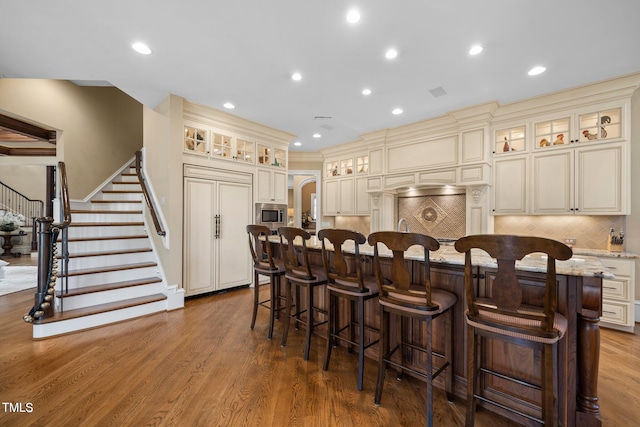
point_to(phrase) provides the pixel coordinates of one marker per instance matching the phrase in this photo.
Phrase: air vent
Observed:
(323, 117)
(436, 92)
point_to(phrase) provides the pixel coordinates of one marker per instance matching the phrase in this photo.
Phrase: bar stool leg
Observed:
(309, 321)
(331, 328)
(384, 351)
(472, 376)
(429, 373)
(272, 304)
(448, 348)
(287, 287)
(256, 298)
(360, 317)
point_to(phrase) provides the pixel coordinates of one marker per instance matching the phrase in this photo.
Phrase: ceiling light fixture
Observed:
(397, 111)
(353, 16)
(317, 135)
(297, 143)
(141, 48)
(475, 50)
(536, 70)
(391, 54)
(366, 92)
(229, 105)
(296, 76)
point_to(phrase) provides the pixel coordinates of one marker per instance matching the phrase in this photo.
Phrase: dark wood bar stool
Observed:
(302, 275)
(412, 298)
(265, 264)
(351, 285)
(498, 313)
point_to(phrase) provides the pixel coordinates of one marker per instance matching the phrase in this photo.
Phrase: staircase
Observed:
(113, 272)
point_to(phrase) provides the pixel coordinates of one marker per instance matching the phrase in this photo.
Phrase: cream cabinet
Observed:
(339, 197)
(218, 145)
(216, 212)
(618, 311)
(272, 156)
(586, 180)
(271, 186)
(362, 197)
(510, 184)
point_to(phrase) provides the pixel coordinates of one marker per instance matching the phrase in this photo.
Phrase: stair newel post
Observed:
(45, 256)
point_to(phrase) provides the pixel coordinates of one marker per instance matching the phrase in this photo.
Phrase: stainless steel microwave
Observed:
(273, 215)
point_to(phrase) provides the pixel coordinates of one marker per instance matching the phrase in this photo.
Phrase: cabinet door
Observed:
(553, 183)
(199, 236)
(600, 180)
(347, 201)
(280, 187)
(234, 213)
(331, 197)
(362, 197)
(263, 182)
(510, 185)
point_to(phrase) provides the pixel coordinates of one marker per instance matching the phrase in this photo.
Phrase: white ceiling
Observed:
(244, 51)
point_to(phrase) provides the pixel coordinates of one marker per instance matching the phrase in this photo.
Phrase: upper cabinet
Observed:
(215, 144)
(347, 166)
(579, 163)
(605, 125)
(342, 196)
(272, 156)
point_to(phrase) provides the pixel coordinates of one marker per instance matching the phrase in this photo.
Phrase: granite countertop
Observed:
(583, 263)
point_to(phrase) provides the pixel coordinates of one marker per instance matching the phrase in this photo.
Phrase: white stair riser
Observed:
(107, 245)
(128, 178)
(79, 218)
(134, 186)
(116, 206)
(109, 277)
(96, 298)
(109, 260)
(110, 231)
(63, 327)
(120, 196)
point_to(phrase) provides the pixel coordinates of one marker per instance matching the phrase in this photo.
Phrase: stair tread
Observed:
(122, 191)
(109, 286)
(95, 211)
(101, 308)
(125, 182)
(105, 224)
(116, 201)
(106, 253)
(98, 238)
(108, 269)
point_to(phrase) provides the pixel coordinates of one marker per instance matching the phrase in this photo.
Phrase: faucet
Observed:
(406, 225)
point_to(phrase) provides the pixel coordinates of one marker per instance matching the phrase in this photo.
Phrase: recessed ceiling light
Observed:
(353, 16)
(391, 54)
(229, 105)
(297, 143)
(397, 111)
(296, 76)
(475, 50)
(316, 135)
(536, 70)
(141, 48)
(366, 91)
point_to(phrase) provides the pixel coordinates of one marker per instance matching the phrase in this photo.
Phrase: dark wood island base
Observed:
(579, 300)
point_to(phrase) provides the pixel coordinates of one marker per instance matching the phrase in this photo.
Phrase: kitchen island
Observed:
(579, 300)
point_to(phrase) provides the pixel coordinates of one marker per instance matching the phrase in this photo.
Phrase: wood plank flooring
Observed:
(203, 366)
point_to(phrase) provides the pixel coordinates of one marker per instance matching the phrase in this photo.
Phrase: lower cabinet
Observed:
(618, 299)
(216, 213)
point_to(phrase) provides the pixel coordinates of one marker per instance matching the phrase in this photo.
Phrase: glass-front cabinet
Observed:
(510, 139)
(221, 145)
(270, 156)
(195, 140)
(347, 166)
(244, 150)
(598, 126)
(553, 132)
(362, 164)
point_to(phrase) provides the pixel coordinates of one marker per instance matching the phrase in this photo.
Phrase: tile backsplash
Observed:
(590, 232)
(440, 216)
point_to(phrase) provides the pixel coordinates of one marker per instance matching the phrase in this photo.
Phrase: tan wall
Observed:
(100, 128)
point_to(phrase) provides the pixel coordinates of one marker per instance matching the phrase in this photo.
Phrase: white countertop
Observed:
(583, 263)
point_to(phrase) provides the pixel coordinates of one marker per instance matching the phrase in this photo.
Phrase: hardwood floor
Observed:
(203, 366)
